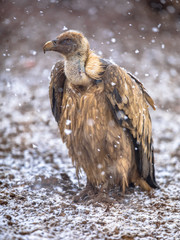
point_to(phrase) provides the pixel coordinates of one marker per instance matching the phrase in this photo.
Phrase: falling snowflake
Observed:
(65, 28)
(67, 131)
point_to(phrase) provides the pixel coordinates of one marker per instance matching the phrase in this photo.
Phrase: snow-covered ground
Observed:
(37, 179)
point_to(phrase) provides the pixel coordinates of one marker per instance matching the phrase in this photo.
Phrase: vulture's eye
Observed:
(66, 42)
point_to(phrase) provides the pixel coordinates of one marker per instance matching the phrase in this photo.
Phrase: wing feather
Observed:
(148, 98)
(56, 88)
(129, 101)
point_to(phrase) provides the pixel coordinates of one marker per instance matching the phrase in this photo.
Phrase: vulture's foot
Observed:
(93, 195)
(89, 192)
(101, 197)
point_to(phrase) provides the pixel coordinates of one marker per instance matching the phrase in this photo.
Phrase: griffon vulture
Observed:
(103, 117)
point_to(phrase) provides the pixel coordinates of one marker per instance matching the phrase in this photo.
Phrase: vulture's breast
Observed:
(84, 116)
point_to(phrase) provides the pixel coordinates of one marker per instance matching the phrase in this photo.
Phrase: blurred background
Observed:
(142, 37)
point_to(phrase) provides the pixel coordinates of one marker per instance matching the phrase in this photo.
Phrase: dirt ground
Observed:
(37, 179)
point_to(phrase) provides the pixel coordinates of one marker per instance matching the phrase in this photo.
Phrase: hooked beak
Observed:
(49, 46)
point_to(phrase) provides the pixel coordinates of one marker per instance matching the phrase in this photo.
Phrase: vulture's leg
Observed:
(87, 193)
(102, 196)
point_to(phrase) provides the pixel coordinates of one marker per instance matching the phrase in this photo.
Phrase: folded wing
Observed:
(129, 100)
(56, 88)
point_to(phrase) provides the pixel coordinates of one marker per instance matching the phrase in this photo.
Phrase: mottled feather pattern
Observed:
(148, 98)
(136, 109)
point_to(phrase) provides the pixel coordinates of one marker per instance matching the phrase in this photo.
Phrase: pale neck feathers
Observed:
(81, 70)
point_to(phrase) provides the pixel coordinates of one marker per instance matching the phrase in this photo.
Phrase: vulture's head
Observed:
(69, 43)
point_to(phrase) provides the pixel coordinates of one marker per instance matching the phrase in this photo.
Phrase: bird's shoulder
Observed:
(122, 83)
(57, 69)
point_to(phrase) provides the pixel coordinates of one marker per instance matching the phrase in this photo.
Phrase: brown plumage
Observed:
(103, 117)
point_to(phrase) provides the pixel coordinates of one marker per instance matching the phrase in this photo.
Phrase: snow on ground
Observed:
(37, 179)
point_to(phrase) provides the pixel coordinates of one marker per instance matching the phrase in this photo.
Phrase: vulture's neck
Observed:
(75, 71)
(82, 70)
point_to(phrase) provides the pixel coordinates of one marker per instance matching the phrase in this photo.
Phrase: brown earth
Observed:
(37, 179)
